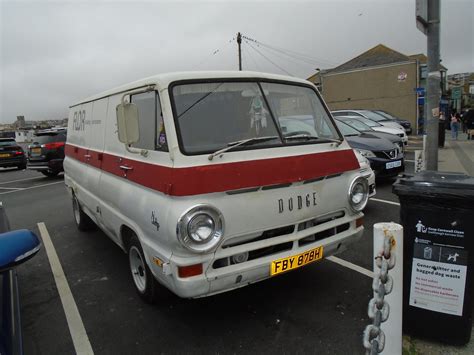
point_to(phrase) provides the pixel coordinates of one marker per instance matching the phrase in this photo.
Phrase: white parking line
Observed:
(11, 188)
(351, 266)
(74, 320)
(384, 201)
(32, 187)
(9, 182)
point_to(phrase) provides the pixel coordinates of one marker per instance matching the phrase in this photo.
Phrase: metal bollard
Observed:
(386, 305)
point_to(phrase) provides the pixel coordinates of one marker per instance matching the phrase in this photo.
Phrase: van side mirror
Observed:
(127, 123)
(17, 247)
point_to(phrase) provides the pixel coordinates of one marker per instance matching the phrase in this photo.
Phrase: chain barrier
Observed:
(379, 309)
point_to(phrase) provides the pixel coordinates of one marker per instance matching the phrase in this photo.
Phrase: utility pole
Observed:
(428, 21)
(433, 89)
(239, 42)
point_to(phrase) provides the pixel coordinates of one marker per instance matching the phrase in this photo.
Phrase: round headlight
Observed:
(358, 194)
(200, 229)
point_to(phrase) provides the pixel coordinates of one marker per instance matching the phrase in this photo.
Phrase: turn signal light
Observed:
(190, 270)
(359, 222)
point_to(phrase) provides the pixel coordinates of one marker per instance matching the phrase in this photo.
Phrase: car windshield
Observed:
(347, 130)
(386, 115)
(374, 116)
(212, 116)
(368, 122)
(356, 124)
(7, 143)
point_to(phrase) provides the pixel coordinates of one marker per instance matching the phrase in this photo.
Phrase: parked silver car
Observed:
(371, 115)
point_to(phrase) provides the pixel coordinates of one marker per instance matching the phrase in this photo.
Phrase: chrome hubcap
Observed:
(137, 267)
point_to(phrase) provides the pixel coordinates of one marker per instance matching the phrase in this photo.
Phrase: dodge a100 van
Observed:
(210, 181)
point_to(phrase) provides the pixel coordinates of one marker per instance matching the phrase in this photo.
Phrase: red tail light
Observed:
(18, 152)
(54, 145)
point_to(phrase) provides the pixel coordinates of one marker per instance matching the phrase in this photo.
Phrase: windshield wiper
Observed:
(233, 145)
(309, 137)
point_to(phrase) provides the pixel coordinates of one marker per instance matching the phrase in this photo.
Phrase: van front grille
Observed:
(271, 233)
(283, 245)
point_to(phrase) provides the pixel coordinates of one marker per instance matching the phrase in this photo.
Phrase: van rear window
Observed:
(49, 138)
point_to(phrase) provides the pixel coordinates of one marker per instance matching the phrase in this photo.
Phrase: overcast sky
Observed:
(54, 53)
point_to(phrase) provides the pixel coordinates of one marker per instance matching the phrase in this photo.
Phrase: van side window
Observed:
(151, 125)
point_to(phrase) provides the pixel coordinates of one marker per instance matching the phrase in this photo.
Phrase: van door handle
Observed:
(125, 169)
(87, 156)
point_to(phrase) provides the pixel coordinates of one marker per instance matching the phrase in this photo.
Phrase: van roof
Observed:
(163, 80)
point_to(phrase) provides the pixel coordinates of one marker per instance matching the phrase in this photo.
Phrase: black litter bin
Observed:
(437, 213)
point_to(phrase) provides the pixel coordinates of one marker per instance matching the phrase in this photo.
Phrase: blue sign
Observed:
(420, 90)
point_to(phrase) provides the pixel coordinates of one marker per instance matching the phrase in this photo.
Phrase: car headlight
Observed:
(200, 229)
(358, 194)
(366, 153)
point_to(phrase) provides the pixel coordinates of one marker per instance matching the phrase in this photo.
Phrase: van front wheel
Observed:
(143, 279)
(83, 221)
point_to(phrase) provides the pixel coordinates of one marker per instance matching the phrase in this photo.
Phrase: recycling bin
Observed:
(437, 214)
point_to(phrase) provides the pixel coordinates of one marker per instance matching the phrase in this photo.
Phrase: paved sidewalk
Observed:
(456, 156)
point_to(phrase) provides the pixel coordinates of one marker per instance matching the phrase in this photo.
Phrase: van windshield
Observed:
(212, 116)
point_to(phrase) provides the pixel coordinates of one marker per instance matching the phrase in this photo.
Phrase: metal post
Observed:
(239, 42)
(433, 89)
(393, 325)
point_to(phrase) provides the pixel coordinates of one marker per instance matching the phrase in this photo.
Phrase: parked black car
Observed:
(46, 153)
(363, 128)
(15, 248)
(386, 158)
(404, 123)
(11, 154)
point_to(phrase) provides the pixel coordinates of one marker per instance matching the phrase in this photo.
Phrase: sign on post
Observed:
(421, 13)
(456, 93)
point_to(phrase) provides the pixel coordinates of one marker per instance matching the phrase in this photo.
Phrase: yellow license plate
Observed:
(4, 155)
(296, 261)
(36, 150)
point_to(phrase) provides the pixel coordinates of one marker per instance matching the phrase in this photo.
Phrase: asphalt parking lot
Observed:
(321, 308)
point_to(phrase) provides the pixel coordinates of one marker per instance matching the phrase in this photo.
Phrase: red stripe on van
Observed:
(222, 177)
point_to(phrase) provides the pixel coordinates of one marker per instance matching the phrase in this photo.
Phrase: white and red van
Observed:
(210, 181)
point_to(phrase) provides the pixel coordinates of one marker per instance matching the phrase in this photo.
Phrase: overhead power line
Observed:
(257, 67)
(291, 53)
(268, 59)
(286, 58)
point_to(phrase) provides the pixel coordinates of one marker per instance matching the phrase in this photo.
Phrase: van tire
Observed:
(48, 173)
(143, 280)
(83, 221)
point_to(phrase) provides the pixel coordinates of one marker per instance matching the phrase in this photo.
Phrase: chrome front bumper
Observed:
(219, 279)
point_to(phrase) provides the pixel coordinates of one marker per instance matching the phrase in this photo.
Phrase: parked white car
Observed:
(379, 128)
(371, 115)
(193, 176)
